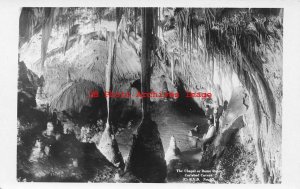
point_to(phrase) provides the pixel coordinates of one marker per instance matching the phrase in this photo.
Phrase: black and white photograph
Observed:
(163, 94)
(150, 95)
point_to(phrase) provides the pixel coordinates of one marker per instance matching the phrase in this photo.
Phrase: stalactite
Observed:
(50, 17)
(197, 37)
(182, 32)
(119, 13)
(184, 68)
(108, 70)
(135, 21)
(68, 35)
(172, 68)
(213, 69)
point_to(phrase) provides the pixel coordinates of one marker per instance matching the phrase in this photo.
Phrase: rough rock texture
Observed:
(109, 148)
(251, 58)
(77, 96)
(173, 151)
(28, 83)
(52, 158)
(146, 159)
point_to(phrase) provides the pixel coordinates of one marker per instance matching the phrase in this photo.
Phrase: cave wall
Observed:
(259, 72)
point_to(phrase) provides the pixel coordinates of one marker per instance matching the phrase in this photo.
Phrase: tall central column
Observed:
(147, 40)
(146, 159)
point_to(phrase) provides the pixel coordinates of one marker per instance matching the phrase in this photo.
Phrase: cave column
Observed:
(146, 158)
(108, 145)
(147, 39)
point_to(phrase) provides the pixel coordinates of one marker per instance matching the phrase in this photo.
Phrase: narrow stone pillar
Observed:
(108, 69)
(108, 145)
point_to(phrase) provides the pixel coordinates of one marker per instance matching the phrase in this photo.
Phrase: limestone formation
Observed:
(147, 158)
(49, 131)
(108, 146)
(37, 151)
(173, 151)
(235, 55)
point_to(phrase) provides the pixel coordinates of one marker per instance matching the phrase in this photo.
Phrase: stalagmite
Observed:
(216, 60)
(37, 152)
(109, 148)
(173, 151)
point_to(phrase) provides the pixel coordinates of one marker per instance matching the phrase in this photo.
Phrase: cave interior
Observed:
(220, 64)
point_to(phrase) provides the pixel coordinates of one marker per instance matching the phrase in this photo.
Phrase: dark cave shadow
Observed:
(184, 104)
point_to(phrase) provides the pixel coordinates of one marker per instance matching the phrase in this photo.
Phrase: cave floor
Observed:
(172, 120)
